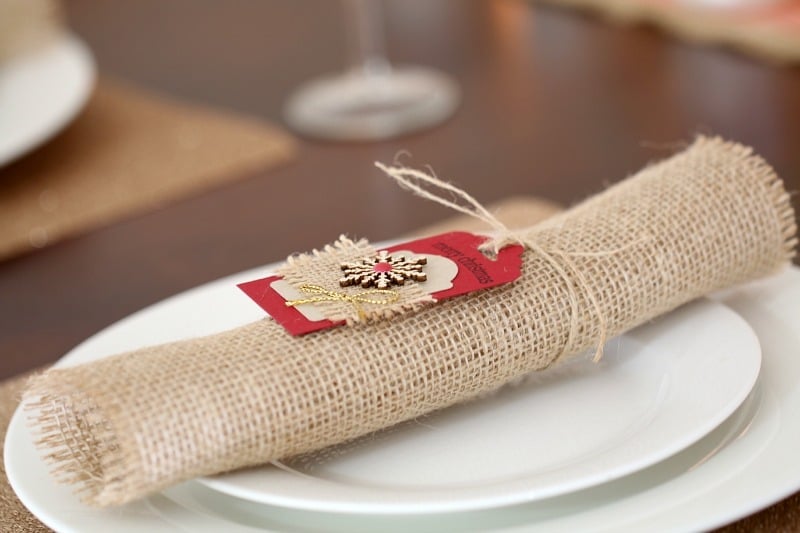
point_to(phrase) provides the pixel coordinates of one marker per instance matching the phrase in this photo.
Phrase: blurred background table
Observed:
(555, 104)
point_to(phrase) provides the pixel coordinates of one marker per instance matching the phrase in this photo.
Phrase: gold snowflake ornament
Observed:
(382, 271)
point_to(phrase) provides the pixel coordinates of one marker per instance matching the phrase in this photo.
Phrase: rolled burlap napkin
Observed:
(710, 217)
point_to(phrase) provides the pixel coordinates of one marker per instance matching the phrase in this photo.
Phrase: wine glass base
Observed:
(366, 107)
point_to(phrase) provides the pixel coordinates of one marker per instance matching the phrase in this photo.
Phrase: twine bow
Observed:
(326, 295)
(416, 181)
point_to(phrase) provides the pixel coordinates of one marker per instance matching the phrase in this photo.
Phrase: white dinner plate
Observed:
(41, 91)
(194, 507)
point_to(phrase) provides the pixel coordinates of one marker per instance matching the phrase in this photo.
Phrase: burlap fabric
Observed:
(14, 517)
(322, 268)
(710, 217)
(129, 151)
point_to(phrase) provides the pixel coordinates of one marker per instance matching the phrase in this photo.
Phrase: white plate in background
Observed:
(41, 91)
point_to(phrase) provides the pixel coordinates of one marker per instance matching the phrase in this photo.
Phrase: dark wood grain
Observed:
(555, 104)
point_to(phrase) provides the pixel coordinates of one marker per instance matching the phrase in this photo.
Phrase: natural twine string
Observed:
(416, 181)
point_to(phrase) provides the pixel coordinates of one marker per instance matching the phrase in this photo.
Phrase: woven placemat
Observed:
(128, 151)
(771, 32)
(514, 212)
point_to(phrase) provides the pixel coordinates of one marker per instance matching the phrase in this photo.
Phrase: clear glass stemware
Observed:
(372, 100)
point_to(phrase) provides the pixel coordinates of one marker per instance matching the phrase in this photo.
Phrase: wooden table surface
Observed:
(555, 104)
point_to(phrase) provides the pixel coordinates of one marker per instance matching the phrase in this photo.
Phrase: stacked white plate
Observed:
(681, 426)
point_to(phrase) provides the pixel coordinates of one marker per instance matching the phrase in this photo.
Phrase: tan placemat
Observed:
(771, 32)
(514, 212)
(127, 152)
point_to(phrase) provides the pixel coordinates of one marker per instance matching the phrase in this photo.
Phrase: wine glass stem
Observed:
(369, 57)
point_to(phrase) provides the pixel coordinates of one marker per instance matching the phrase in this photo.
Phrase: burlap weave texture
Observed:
(710, 217)
(322, 268)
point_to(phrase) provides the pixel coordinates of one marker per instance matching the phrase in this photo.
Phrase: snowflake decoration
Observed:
(382, 271)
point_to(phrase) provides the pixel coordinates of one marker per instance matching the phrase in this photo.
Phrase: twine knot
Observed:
(423, 185)
(386, 297)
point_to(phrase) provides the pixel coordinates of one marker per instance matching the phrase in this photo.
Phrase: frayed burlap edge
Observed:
(99, 467)
(778, 196)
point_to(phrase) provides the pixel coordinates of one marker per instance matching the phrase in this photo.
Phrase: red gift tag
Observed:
(454, 255)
